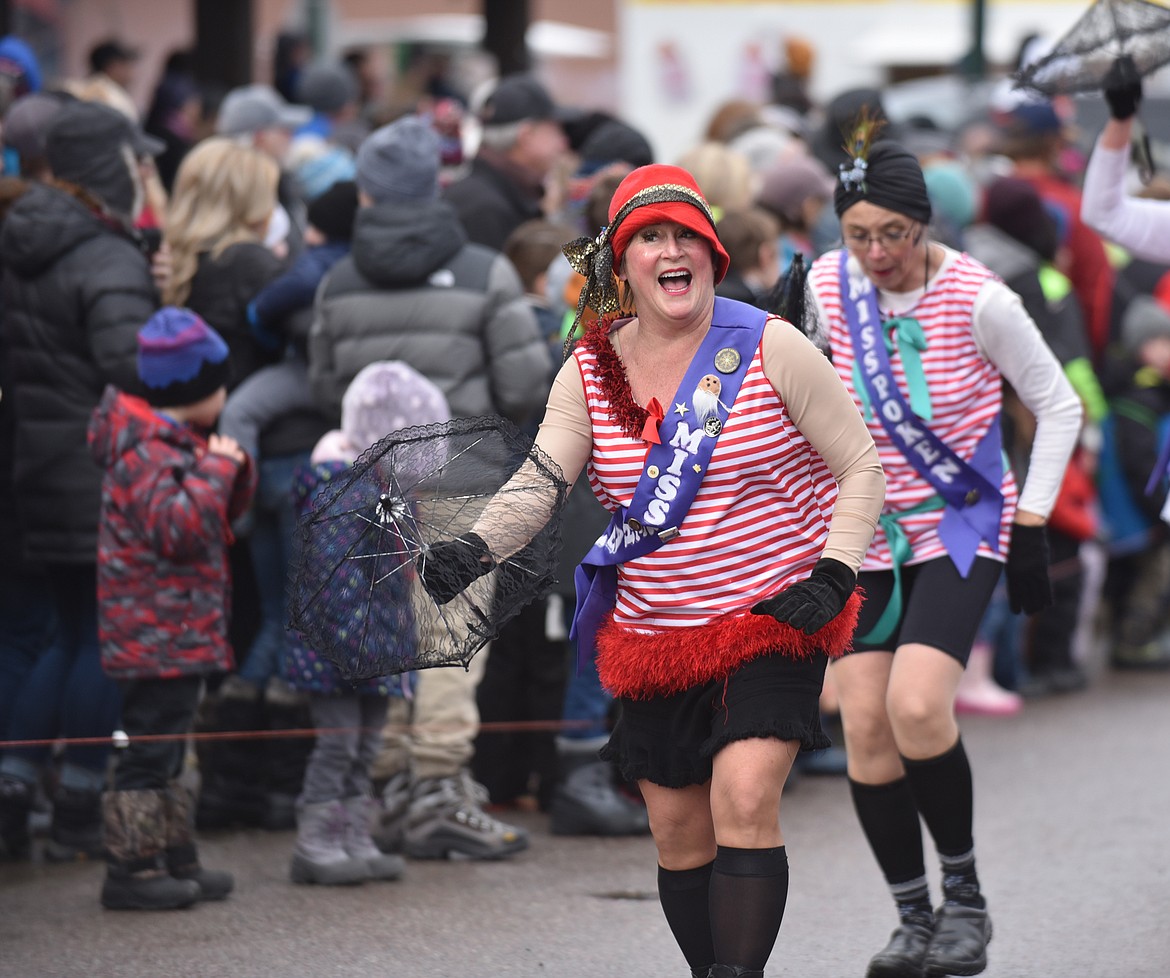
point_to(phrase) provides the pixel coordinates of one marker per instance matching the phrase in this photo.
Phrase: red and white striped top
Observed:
(759, 521)
(966, 395)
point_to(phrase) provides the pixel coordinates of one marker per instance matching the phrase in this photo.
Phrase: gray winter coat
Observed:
(413, 289)
(76, 290)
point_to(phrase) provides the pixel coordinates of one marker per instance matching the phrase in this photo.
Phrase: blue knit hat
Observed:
(181, 360)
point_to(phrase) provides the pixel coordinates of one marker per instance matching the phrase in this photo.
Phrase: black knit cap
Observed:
(332, 213)
(891, 178)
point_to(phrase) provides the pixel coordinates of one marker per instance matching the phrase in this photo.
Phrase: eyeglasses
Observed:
(888, 240)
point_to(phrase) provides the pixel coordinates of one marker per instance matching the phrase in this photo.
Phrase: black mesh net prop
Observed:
(1109, 29)
(791, 298)
(356, 592)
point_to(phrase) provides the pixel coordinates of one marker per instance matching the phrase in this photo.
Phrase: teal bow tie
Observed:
(908, 337)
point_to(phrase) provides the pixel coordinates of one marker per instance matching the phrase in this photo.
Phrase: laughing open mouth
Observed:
(678, 281)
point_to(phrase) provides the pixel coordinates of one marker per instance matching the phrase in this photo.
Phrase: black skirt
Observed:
(670, 740)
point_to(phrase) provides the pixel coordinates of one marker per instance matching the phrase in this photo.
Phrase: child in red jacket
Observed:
(169, 495)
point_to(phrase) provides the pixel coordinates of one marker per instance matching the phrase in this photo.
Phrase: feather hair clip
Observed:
(857, 145)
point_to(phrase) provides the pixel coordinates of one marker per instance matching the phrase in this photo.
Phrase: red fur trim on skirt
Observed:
(639, 664)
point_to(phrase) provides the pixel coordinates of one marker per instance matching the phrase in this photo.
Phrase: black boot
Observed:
(588, 802)
(734, 971)
(959, 944)
(15, 808)
(75, 831)
(135, 839)
(182, 856)
(905, 955)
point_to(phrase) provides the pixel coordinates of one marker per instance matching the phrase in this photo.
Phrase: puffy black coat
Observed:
(76, 290)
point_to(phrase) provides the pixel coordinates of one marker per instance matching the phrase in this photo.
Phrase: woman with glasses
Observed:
(923, 337)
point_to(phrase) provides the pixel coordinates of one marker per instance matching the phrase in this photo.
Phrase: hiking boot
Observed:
(16, 800)
(75, 831)
(320, 855)
(905, 955)
(390, 823)
(446, 820)
(587, 802)
(359, 812)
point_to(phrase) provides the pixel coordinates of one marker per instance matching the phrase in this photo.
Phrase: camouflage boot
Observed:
(135, 829)
(182, 856)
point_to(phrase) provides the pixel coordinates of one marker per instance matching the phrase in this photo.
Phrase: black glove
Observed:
(1122, 88)
(814, 602)
(448, 566)
(1029, 589)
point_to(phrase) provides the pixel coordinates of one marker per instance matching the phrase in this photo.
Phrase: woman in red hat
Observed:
(744, 490)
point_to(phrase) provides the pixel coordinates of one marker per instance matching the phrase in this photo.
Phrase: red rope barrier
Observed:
(509, 726)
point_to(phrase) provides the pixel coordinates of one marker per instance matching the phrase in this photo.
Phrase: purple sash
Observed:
(673, 470)
(974, 502)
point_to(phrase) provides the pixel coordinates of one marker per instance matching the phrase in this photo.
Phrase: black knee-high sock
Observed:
(685, 898)
(749, 888)
(889, 819)
(944, 795)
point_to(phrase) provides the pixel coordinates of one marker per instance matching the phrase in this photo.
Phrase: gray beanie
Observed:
(327, 88)
(1145, 318)
(400, 162)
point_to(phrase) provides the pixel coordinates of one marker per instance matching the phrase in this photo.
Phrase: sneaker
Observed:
(1151, 655)
(390, 824)
(446, 820)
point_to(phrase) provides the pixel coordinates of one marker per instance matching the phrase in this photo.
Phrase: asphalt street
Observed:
(1072, 816)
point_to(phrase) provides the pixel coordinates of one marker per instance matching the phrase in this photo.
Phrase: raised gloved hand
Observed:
(449, 566)
(814, 602)
(1029, 589)
(1122, 88)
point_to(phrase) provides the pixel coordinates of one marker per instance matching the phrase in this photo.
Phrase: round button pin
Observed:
(726, 360)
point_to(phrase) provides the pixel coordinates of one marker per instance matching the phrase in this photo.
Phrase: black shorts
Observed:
(939, 608)
(670, 740)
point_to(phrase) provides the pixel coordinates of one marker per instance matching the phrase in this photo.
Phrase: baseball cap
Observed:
(252, 108)
(84, 145)
(80, 128)
(517, 98)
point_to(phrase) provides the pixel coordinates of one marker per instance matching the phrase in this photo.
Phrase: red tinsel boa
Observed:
(638, 664)
(626, 413)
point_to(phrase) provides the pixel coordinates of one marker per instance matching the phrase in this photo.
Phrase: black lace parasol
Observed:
(1106, 31)
(356, 591)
